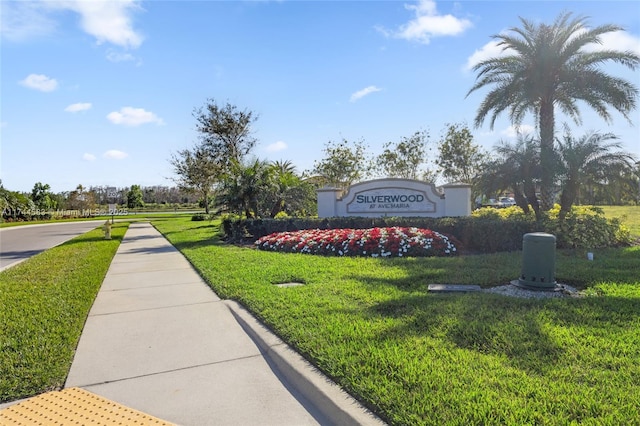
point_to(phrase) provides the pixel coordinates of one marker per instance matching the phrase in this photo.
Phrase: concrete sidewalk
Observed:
(160, 341)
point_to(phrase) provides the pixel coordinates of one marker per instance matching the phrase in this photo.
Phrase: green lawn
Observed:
(630, 216)
(419, 358)
(44, 304)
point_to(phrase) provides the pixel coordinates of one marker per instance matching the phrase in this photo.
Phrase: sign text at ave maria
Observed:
(390, 201)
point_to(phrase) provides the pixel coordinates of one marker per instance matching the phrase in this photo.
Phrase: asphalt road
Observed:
(21, 242)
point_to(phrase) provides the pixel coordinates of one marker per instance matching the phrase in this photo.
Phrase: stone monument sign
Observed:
(395, 197)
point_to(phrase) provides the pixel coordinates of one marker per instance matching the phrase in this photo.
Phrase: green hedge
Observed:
(475, 234)
(486, 231)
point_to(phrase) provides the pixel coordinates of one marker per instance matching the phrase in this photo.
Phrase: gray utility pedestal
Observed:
(538, 262)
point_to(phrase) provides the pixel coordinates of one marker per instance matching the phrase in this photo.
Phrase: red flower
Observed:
(385, 242)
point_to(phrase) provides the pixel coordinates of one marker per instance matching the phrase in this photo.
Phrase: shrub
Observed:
(198, 217)
(586, 227)
(512, 212)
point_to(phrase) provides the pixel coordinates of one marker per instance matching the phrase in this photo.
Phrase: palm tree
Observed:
(590, 159)
(285, 185)
(283, 167)
(516, 168)
(245, 186)
(545, 66)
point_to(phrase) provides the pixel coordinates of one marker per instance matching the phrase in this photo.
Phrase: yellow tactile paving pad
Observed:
(73, 406)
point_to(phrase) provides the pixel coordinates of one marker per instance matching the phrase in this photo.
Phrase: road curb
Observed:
(335, 404)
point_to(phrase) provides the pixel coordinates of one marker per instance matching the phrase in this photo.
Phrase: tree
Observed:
(14, 205)
(225, 132)
(403, 159)
(589, 159)
(261, 189)
(288, 192)
(81, 199)
(243, 189)
(459, 158)
(634, 180)
(283, 167)
(344, 163)
(517, 168)
(42, 197)
(197, 172)
(134, 197)
(545, 66)
(5, 198)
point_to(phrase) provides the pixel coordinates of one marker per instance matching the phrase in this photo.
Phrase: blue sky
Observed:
(101, 93)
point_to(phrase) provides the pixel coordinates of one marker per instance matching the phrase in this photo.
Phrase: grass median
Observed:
(421, 358)
(45, 301)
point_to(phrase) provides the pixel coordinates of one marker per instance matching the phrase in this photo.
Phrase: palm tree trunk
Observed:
(278, 206)
(547, 131)
(530, 193)
(567, 198)
(521, 200)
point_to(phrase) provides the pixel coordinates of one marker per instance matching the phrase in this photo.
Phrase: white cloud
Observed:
(108, 21)
(80, 106)
(88, 157)
(40, 82)
(428, 23)
(277, 146)
(115, 56)
(364, 92)
(129, 116)
(619, 40)
(114, 154)
(23, 20)
(489, 50)
(513, 131)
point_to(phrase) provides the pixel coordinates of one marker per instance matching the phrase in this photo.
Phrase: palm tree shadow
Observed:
(514, 329)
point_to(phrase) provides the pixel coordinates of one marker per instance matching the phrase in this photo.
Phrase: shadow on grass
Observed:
(214, 229)
(516, 329)
(194, 244)
(418, 272)
(20, 254)
(84, 240)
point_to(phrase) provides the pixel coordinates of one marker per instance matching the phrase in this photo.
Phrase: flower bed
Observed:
(374, 242)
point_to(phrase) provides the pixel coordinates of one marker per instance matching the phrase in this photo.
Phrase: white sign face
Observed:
(112, 192)
(390, 201)
(112, 208)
